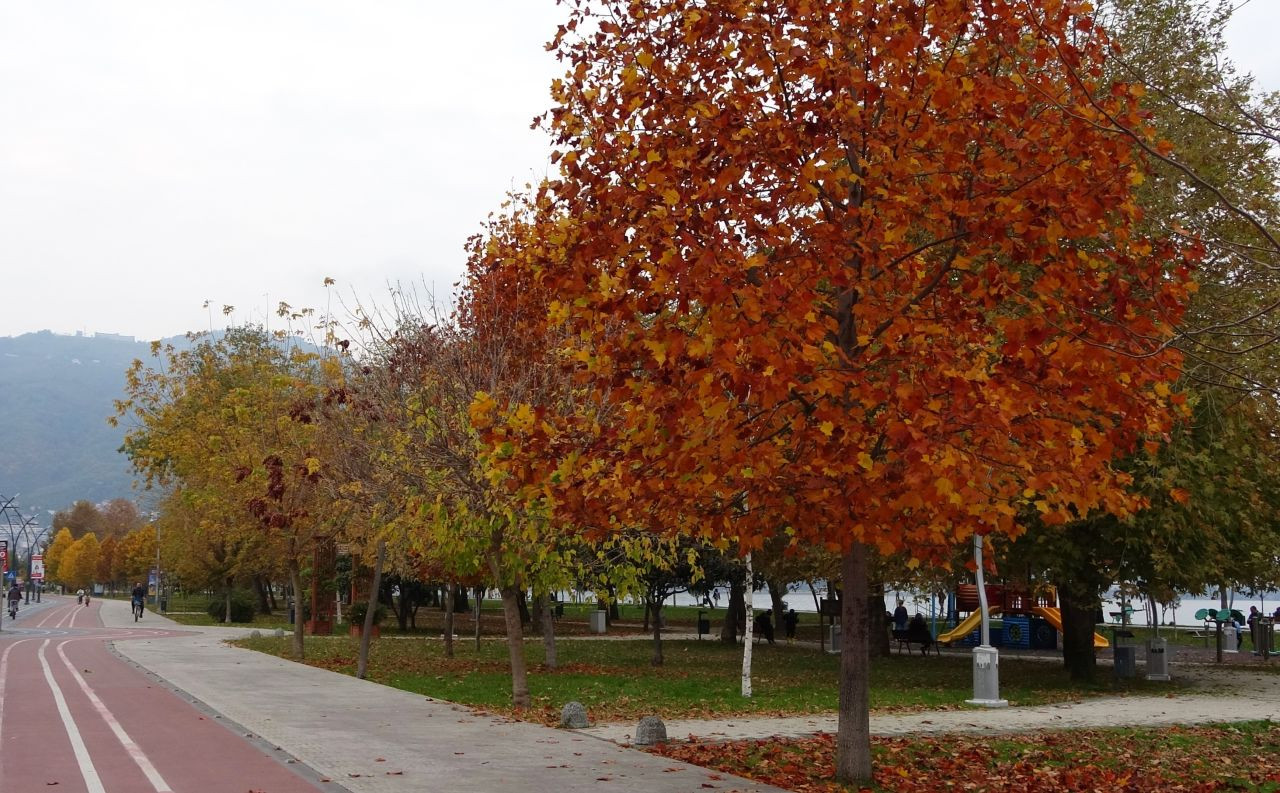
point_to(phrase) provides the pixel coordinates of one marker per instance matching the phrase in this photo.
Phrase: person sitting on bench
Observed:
(918, 633)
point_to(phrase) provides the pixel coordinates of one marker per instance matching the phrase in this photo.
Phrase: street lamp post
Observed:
(33, 542)
(986, 659)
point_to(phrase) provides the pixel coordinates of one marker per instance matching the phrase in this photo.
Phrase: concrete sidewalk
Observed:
(369, 737)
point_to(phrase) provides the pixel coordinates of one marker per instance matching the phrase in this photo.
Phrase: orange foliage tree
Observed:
(863, 272)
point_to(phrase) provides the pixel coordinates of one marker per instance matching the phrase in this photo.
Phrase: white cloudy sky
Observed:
(155, 154)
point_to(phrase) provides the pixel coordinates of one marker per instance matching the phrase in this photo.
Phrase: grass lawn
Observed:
(1236, 757)
(615, 680)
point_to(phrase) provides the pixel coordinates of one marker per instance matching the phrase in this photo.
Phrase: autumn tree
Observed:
(56, 552)
(81, 517)
(107, 562)
(80, 566)
(868, 272)
(1215, 179)
(136, 554)
(226, 425)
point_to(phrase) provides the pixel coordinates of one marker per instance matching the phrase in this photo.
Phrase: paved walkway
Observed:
(369, 737)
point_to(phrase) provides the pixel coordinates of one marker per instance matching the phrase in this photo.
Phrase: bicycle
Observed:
(13, 610)
(137, 610)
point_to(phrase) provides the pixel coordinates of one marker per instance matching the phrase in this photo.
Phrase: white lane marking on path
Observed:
(135, 752)
(4, 675)
(54, 612)
(92, 781)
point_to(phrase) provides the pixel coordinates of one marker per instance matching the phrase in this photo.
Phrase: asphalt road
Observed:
(75, 718)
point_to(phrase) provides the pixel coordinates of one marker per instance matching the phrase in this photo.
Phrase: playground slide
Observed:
(1054, 618)
(966, 626)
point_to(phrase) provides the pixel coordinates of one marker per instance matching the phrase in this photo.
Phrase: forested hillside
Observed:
(56, 393)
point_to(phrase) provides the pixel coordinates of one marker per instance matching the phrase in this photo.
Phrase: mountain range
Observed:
(56, 394)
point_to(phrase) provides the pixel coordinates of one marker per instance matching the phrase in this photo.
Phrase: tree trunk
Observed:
(522, 602)
(448, 620)
(729, 631)
(515, 646)
(226, 614)
(295, 581)
(271, 596)
(362, 663)
(548, 633)
(479, 598)
(878, 639)
(264, 607)
(777, 589)
(648, 606)
(657, 659)
(853, 736)
(1079, 607)
(535, 614)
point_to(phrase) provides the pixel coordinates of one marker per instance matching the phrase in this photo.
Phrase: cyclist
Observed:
(79, 596)
(139, 598)
(15, 595)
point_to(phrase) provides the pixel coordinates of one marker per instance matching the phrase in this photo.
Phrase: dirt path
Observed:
(1229, 692)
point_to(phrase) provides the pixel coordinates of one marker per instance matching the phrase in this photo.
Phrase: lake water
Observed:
(800, 599)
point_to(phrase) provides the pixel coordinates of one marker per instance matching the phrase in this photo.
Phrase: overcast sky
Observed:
(157, 154)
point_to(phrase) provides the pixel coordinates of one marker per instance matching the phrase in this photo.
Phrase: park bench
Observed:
(906, 638)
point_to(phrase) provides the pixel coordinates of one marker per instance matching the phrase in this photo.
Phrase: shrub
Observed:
(356, 612)
(242, 607)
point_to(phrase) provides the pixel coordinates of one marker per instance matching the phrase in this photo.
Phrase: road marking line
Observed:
(4, 675)
(135, 751)
(91, 779)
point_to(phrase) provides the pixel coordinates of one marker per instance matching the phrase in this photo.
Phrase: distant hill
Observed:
(56, 393)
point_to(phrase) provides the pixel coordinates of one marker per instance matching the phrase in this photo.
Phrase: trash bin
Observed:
(164, 603)
(704, 624)
(1157, 660)
(559, 610)
(1263, 637)
(833, 646)
(596, 620)
(291, 613)
(1126, 663)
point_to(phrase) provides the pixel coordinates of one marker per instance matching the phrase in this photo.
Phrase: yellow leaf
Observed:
(827, 428)
(865, 461)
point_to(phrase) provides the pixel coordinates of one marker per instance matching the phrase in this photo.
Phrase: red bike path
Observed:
(75, 718)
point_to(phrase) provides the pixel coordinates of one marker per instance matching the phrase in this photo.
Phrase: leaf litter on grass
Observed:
(1206, 759)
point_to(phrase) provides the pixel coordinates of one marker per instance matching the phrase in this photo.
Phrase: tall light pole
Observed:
(986, 659)
(32, 543)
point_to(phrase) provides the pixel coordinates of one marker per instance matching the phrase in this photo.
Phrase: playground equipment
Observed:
(1016, 606)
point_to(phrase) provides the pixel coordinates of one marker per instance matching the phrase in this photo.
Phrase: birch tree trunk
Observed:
(750, 611)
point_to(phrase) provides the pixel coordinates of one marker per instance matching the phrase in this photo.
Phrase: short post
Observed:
(986, 659)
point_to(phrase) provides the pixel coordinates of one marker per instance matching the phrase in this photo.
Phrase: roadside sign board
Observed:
(37, 567)
(4, 556)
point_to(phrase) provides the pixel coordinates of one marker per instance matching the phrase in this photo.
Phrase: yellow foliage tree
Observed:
(80, 566)
(56, 553)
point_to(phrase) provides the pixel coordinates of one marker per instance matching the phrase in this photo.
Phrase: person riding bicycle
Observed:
(139, 597)
(79, 595)
(15, 595)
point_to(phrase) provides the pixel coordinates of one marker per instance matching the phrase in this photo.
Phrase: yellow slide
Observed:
(966, 626)
(1054, 618)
